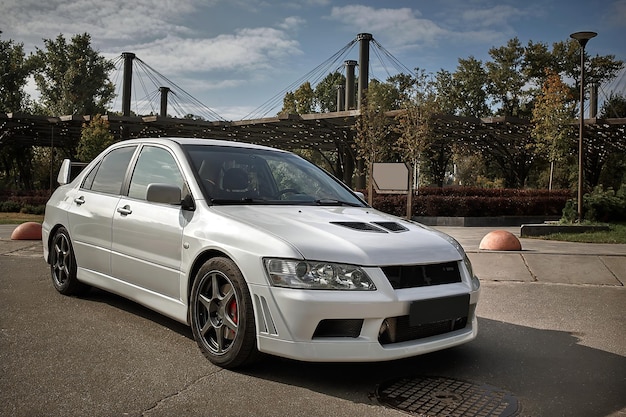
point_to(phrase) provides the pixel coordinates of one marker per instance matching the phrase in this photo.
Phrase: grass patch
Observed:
(19, 218)
(615, 234)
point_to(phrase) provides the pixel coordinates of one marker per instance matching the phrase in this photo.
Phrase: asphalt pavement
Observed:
(552, 334)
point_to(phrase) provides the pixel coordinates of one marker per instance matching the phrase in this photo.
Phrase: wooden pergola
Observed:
(320, 131)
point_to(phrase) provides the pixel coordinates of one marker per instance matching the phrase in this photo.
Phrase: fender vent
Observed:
(266, 322)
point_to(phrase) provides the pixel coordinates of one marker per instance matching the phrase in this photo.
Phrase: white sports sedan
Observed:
(257, 250)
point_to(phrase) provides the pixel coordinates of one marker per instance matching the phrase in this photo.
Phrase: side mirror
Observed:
(69, 170)
(163, 193)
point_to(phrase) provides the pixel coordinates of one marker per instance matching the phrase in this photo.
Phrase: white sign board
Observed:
(391, 177)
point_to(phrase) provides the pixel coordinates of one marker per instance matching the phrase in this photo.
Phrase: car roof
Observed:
(201, 141)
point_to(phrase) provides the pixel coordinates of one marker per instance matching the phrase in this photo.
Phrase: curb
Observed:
(528, 230)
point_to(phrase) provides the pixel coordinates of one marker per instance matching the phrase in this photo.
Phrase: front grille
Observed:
(398, 329)
(338, 328)
(411, 276)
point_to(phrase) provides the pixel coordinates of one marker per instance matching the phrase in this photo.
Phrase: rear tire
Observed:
(63, 265)
(222, 317)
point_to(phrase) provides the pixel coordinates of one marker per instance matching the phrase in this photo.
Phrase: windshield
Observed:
(232, 175)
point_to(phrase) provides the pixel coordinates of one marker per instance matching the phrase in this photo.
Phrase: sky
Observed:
(237, 56)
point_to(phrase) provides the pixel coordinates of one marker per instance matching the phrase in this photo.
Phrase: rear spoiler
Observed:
(69, 170)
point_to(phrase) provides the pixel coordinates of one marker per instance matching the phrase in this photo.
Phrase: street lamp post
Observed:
(582, 38)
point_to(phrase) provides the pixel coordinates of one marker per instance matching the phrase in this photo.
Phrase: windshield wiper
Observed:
(333, 202)
(245, 200)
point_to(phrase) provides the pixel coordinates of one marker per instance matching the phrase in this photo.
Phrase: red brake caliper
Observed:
(232, 312)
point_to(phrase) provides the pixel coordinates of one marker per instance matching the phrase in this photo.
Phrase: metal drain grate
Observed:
(446, 397)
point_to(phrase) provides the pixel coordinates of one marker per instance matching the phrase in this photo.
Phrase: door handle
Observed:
(124, 210)
(79, 200)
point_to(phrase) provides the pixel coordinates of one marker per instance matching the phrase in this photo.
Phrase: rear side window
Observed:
(108, 176)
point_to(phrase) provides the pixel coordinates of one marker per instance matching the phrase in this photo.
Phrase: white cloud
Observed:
(247, 49)
(292, 23)
(154, 30)
(400, 26)
(113, 20)
(495, 16)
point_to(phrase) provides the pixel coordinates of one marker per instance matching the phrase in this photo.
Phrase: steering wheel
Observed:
(288, 191)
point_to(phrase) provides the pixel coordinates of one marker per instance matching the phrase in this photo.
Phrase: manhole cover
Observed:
(446, 397)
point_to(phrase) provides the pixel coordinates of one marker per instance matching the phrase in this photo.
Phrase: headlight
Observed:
(291, 273)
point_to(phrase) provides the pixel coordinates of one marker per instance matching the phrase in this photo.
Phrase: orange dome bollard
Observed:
(27, 231)
(500, 240)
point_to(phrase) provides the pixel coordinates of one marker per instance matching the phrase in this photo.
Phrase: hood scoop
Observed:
(377, 227)
(392, 226)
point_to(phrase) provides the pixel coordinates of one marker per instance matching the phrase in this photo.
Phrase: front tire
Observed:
(63, 265)
(222, 317)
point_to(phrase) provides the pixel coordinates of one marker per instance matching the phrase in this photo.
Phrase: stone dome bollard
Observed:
(27, 231)
(500, 240)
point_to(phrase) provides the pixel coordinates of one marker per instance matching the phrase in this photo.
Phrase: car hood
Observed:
(354, 235)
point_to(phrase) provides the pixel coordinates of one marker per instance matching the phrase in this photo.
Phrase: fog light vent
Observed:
(338, 328)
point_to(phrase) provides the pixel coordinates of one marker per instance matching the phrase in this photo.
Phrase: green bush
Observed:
(10, 206)
(30, 209)
(475, 202)
(598, 206)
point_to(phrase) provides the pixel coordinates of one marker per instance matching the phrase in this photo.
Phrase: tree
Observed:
(372, 140)
(289, 103)
(415, 131)
(602, 155)
(614, 106)
(405, 84)
(15, 70)
(506, 80)
(15, 160)
(514, 76)
(470, 95)
(444, 92)
(72, 78)
(305, 99)
(326, 92)
(537, 58)
(301, 101)
(94, 138)
(384, 96)
(600, 69)
(613, 172)
(420, 139)
(551, 116)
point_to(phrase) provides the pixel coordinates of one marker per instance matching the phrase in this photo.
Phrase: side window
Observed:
(109, 175)
(88, 181)
(155, 165)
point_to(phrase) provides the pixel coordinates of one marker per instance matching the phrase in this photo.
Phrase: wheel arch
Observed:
(53, 232)
(193, 271)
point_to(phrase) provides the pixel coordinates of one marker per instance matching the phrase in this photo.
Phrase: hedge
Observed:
(476, 202)
(429, 201)
(32, 202)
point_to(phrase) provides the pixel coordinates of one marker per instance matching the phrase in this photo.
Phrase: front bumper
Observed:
(291, 323)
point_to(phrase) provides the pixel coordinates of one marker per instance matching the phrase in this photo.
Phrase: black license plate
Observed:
(438, 309)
